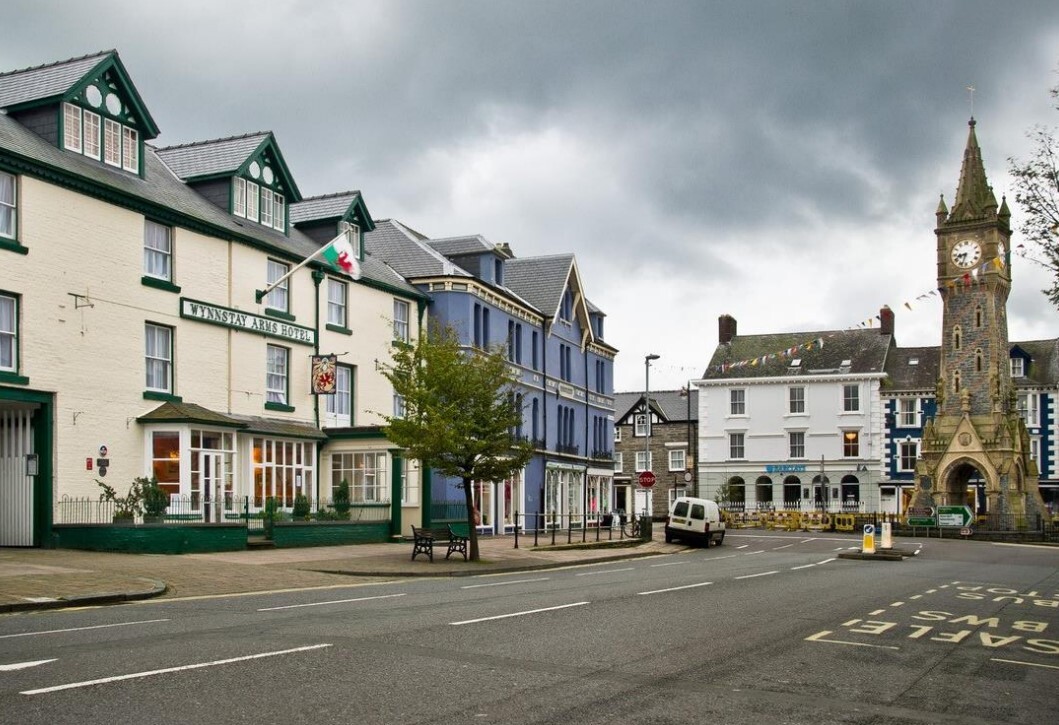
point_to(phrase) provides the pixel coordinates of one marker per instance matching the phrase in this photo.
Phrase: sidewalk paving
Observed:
(53, 578)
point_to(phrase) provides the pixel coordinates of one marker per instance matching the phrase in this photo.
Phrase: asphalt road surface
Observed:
(769, 627)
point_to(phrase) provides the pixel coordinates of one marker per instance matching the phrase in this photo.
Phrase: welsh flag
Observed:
(340, 254)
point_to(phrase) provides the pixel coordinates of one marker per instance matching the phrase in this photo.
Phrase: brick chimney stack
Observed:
(725, 329)
(886, 321)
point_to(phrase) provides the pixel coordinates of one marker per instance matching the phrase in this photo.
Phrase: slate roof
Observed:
(211, 158)
(46, 81)
(279, 427)
(173, 412)
(672, 405)
(458, 246)
(902, 375)
(866, 351)
(329, 206)
(541, 281)
(1043, 370)
(408, 252)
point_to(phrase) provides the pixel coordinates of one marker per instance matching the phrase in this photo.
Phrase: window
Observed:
(737, 446)
(565, 363)
(279, 297)
(978, 360)
(157, 250)
(908, 415)
(8, 333)
(1018, 368)
(159, 358)
(617, 434)
(130, 149)
(400, 320)
(409, 484)
(978, 316)
(282, 469)
(566, 309)
(851, 444)
(91, 134)
(266, 207)
(398, 406)
(111, 142)
(619, 464)
(909, 452)
(253, 195)
(8, 216)
(365, 473)
(354, 237)
(339, 406)
(796, 396)
(677, 459)
(1027, 407)
(239, 198)
(72, 127)
(737, 400)
(337, 292)
(276, 375)
(640, 426)
(797, 443)
(956, 337)
(851, 398)
(643, 461)
(165, 460)
(279, 213)
(534, 349)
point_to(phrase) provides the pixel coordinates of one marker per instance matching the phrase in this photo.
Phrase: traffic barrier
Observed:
(845, 522)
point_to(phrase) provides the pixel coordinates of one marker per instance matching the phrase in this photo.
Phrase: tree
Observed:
(460, 412)
(1037, 192)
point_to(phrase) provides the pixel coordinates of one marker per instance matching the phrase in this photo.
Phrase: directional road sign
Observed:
(954, 515)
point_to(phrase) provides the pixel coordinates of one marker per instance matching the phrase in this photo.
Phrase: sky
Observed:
(779, 162)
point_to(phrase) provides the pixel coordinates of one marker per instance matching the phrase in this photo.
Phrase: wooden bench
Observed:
(423, 541)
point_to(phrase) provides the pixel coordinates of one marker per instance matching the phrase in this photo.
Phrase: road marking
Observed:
(81, 629)
(743, 546)
(777, 548)
(518, 614)
(819, 637)
(333, 601)
(751, 553)
(1028, 664)
(504, 584)
(826, 561)
(675, 589)
(671, 563)
(727, 556)
(606, 571)
(197, 597)
(181, 668)
(803, 566)
(751, 576)
(897, 604)
(876, 613)
(916, 596)
(24, 665)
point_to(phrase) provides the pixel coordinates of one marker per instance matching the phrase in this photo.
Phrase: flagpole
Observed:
(260, 294)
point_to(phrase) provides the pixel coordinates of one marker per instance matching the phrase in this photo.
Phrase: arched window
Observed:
(956, 381)
(978, 360)
(956, 337)
(978, 316)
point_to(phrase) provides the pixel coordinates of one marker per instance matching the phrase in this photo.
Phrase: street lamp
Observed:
(647, 418)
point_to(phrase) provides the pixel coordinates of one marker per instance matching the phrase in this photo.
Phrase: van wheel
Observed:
(720, 539)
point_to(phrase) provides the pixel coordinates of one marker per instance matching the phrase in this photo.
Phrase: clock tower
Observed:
(977, 440)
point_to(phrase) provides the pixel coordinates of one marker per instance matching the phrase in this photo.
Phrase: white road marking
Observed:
(897, 604)
(166, 600)
(675, 589)
(743, 546)
(504, 584)
(751, 576)
(518, 614)
(777, 548)
(916, 596)
(24, 665)
(751, 553)
(81, 629)
(819, 637)
(671, 563)
(728, 556)
(181, 668)
(876, 613)
(333, 601)
(1028, 664)
(826, 561)
(606, 571)
(803, 566)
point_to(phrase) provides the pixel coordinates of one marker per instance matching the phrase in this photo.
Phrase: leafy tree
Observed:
(460, 412)
(1037, 192)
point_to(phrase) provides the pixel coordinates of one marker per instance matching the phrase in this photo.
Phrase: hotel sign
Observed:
(245, 321)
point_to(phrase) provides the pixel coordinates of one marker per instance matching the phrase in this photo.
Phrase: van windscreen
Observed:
(698, 511)
(680, 509)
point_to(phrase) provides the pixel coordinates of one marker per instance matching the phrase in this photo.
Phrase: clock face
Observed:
(966, 254)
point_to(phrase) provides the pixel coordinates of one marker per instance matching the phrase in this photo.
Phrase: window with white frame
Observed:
(907, 454)
(339, 405)
(409, 482)
(282, 469)
(398, 406)
(1018, 368)
(266, 207)
(130, 149)
(157, 250)
(796, 439)
(737, 402)
(737, 446)
(159, 357)
(72, 127)
(677, 459)
(279, 297)
(1035, 450)
(8, 208)
(400, 320)
(643, 461)
(165, 459)
(619, 464)
(337, 295)
(276, 376)
(8, 333)
(86, 132)
(796, 399)
(617, 434)
(908, 415)
(364, 472)
(279, 212)
(640, 426)
(1027, 407)
(92, 128)
(851, 398)
(253, 196)
(239, 197)
(851, 444)
(111, 142)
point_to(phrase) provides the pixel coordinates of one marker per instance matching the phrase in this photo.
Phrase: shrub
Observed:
(155, 499)
(301, 507)
(341, 502)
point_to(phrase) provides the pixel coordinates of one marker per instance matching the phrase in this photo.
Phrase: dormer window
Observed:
(258, 203)
(1018, 367)
(87, 132)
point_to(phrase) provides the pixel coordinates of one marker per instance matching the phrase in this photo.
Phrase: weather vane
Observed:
(970, 91)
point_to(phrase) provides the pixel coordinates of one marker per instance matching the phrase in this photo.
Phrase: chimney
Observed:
(886, 321)
(725, 329)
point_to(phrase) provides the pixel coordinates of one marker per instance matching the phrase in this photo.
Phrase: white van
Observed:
(694, 520)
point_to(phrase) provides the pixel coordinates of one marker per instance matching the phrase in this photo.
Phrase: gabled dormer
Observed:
(86, 106)
(1020, 363)
(244, 175)
(477, 255)
(324, 217)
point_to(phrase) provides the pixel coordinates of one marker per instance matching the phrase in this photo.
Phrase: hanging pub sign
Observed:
(323, 374)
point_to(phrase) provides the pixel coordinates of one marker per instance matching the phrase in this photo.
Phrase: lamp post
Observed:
(647, 418)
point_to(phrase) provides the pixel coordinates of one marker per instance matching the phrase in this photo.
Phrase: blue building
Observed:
(536, 309)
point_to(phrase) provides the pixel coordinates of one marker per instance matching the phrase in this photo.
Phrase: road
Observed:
(769, 627)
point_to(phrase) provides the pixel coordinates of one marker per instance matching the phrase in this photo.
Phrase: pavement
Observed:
(33, 579)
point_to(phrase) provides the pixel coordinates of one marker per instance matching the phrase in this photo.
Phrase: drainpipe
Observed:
(318, 277)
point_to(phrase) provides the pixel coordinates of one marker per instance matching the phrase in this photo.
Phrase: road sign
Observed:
(954, 515)
(921, 512)
(868, 543)
(922, 521)
(647, 479)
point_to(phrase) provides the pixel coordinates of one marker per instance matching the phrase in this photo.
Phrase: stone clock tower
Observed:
(977, 434)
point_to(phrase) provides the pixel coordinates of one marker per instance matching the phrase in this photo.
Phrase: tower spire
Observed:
(974, 197)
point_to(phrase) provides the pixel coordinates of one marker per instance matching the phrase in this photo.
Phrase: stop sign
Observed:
(647, 479)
